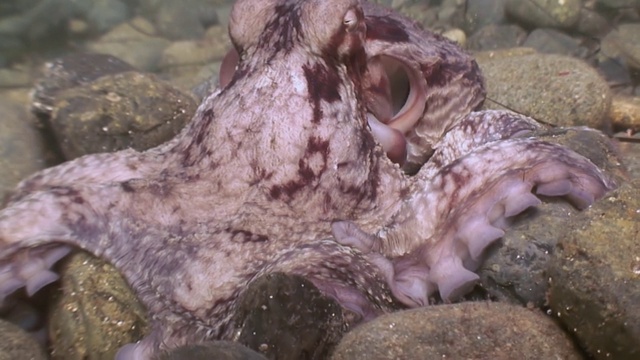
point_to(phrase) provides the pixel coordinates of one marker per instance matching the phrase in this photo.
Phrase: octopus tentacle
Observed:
(467, 205)
(475, 130)
(41, 228)
(89, 169)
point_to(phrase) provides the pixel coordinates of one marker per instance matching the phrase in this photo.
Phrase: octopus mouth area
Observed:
(395, 99)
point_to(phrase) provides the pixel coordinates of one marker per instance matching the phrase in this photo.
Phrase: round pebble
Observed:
(472, 330)
(552, 89)
(595, 276)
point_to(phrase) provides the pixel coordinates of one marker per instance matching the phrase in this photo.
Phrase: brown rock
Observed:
(553, 89)
(472, 330)
(287, 317)
(119, 111)
(17, 344)
(625, 112)
(21, 147)
(95, 314)
(595, 276)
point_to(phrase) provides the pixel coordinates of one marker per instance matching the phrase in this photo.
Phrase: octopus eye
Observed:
(350, 20)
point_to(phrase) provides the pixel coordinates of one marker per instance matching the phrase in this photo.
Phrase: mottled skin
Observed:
(279, 171)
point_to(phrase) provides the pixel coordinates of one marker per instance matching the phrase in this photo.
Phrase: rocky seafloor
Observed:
(561, 284)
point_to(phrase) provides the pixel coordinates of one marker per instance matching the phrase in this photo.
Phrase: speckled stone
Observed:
(625, 112)
(286, 317)
(595, 276)
(553, 89)
(218, 350)
(623, 42)
(545, 13)
(95, 314)
(17, 344)
(135, 42)
(119, 111)
(472, 330)
(70, 71)
(21, 147)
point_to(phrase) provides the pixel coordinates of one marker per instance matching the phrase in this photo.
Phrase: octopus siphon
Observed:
(307, 161)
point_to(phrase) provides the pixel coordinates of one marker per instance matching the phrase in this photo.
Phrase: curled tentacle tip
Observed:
(392, 140)
(131, 352)
(40, 280)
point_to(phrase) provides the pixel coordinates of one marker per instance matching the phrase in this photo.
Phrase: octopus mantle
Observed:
(300, 164)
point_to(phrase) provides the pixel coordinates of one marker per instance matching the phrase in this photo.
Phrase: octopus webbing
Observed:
(305, 161)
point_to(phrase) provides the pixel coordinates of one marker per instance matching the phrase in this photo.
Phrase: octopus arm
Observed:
(42, 227)
(89, 169)
(453, 216)
(475, 130)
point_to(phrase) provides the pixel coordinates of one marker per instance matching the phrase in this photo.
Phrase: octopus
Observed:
(343, 145)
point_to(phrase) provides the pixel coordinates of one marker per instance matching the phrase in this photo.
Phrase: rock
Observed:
(185, 19)
(183, 61)
(623, 42)
(16, 77)
(17, 344)
(70, 71)
(471, 330)
(456, 35)
(39, 21)
(493, 37)
(545, 13)
(102, 15)
(135, 42)
(553, 89)
(630, 152)
(218, 350)
(12, 47)
(21, 147)
(551, 41)
(619, 3)
(95, 314)
(592, 23)
(516, 267)
(595, 276)
(616, 73)
(625, 112)
(182, 20)
(287, 317)
(119, 111)
(480, 13)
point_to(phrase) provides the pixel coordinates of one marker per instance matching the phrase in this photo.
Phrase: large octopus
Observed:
(306, 161)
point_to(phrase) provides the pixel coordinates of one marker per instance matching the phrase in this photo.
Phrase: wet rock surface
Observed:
(472, 330)
(545, 13)
(95, 313)
(219, 350)
(71, 71)
(534, 92)
(287, 317)
(595, 276)
(22, 151)
(119, 111)
(17, 344)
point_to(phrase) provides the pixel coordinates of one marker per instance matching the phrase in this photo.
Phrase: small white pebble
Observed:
(456, 35)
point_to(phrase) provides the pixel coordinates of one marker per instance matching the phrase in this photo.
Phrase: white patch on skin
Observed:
(299, 84)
